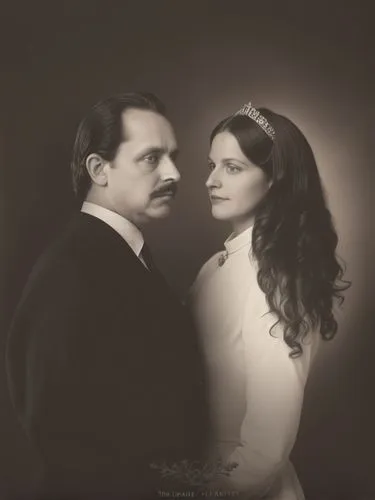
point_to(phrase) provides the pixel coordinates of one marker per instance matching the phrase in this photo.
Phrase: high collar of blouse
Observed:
(234, 243)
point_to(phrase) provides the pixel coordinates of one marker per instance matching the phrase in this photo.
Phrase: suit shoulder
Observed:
(58, 269)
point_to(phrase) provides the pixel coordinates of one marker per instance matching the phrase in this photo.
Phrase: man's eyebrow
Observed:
(150, 150)
(158, 150)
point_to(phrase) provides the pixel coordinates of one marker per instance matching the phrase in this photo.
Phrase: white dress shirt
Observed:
(126, 229)
(256, 389)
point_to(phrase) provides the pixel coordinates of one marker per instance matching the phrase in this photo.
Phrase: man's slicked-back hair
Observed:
(101, 132)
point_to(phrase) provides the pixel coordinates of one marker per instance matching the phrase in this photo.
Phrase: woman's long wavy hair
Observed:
(293, 239)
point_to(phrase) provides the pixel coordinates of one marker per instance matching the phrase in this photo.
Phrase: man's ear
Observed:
(95, 167)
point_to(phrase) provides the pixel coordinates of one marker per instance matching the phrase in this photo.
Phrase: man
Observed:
(104, 370)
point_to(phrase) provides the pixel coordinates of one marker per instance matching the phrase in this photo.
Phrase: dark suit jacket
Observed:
(104, 369)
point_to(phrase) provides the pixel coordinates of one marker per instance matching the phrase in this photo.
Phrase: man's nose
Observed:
(169, 171)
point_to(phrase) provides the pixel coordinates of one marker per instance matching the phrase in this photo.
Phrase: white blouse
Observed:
(256, 389)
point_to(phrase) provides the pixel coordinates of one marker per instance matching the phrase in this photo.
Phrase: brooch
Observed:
(223, 257)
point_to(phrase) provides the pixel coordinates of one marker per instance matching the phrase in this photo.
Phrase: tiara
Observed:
(254, 114)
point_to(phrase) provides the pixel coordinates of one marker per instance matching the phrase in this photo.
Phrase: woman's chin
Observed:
(216, 214)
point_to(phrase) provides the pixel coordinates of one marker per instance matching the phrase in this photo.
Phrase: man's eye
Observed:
(211, 166)
(151, 158)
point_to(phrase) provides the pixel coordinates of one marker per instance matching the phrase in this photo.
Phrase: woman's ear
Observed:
(95, 167)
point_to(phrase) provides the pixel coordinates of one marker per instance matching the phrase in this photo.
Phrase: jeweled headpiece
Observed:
(254, 114)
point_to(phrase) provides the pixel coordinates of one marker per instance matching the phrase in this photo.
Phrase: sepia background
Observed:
(311, 61)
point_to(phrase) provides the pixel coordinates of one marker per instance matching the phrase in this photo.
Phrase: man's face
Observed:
(142, 178)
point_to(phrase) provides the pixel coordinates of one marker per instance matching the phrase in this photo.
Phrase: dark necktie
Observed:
(147, 257)
(149, 261)
(155, 273)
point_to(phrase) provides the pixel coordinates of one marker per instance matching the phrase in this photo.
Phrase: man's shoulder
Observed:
(53, 272)
(60, 261)
(79, 240)
(84, 248)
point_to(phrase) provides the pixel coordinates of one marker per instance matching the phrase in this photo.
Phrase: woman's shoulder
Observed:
(205, 271)
(209, 266)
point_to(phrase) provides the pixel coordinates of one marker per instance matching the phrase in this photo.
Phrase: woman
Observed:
(263, 303)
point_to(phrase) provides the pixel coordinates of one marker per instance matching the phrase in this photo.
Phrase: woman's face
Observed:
(235, 185)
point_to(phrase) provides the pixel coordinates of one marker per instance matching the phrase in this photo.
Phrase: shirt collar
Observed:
(234, 243)
(126, 229)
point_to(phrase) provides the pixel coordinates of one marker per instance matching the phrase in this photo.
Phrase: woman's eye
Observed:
(233, 169)
(211, 166)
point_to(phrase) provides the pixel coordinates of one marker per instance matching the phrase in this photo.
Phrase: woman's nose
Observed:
(213, 179)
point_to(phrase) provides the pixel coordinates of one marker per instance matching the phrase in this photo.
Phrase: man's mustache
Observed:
(169, 189)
